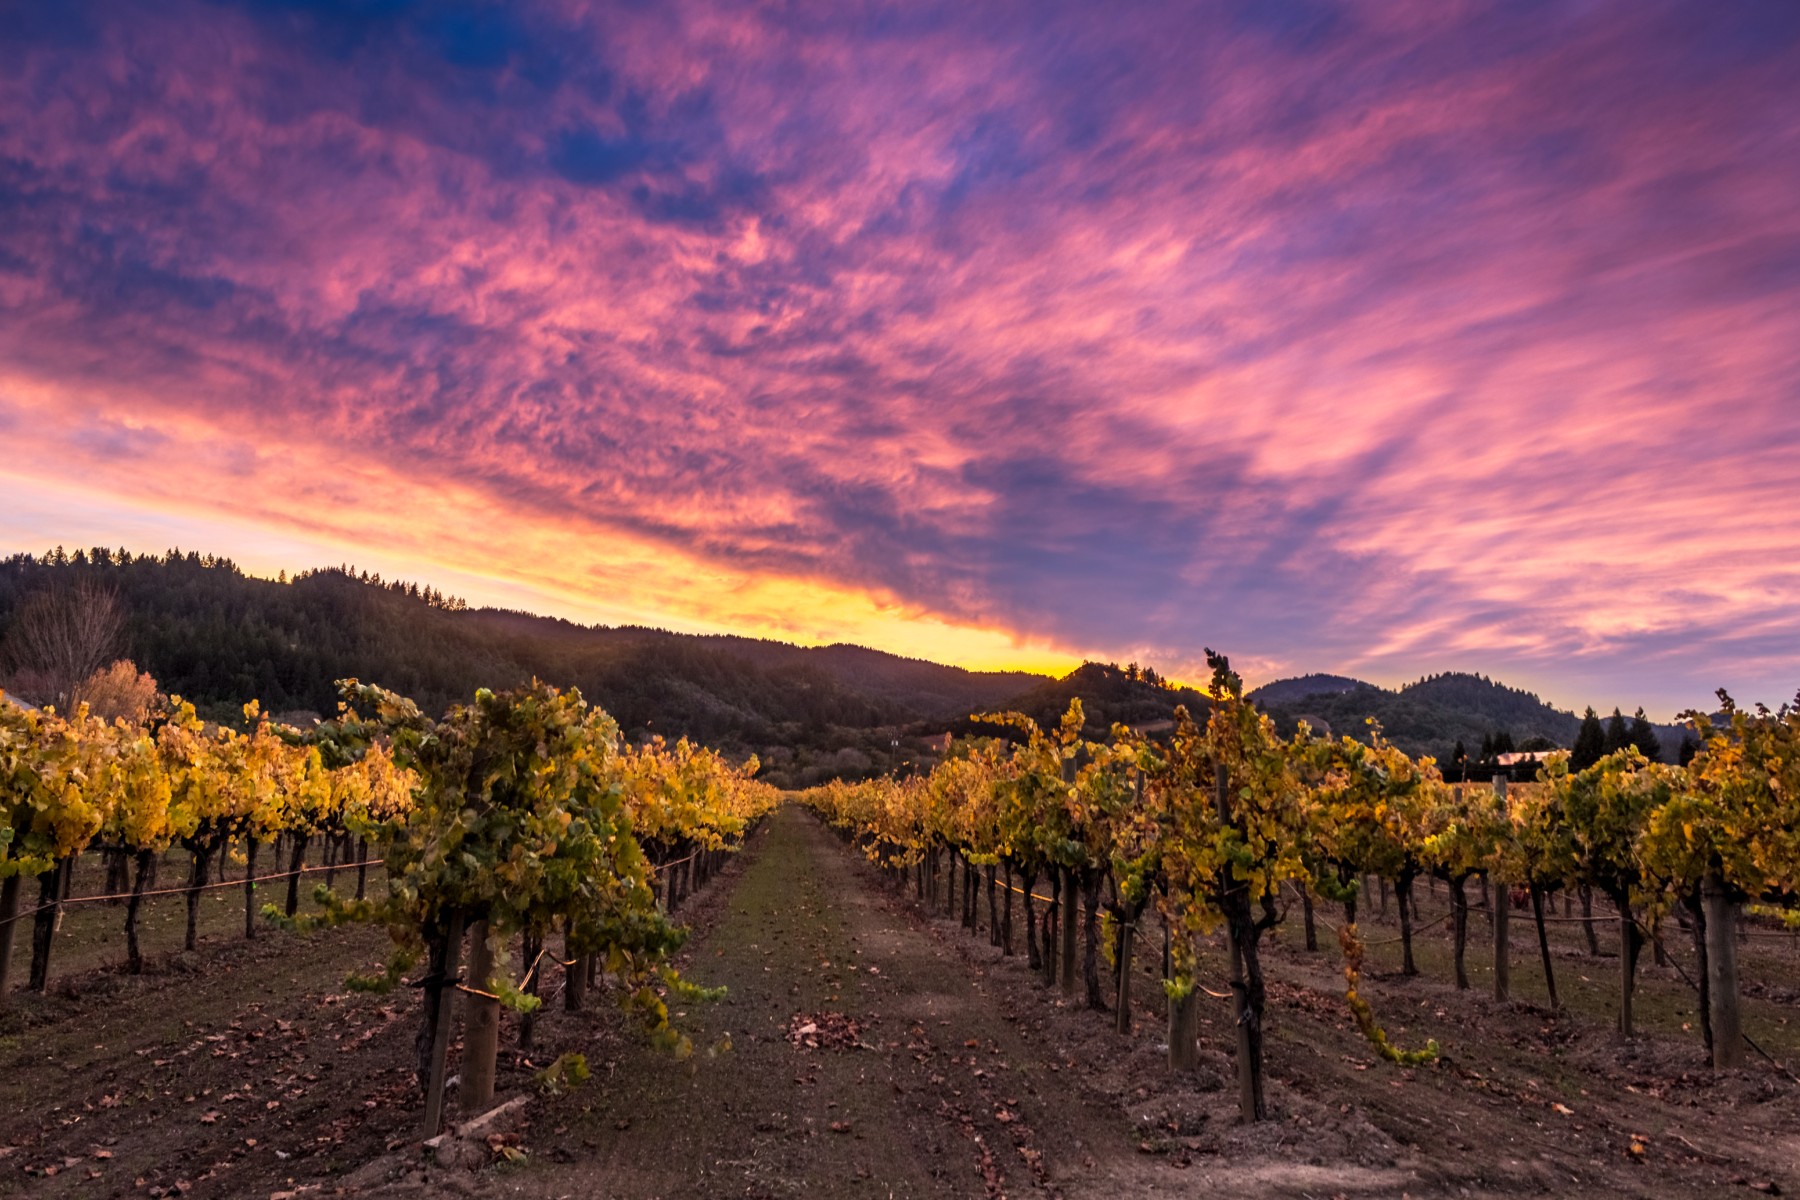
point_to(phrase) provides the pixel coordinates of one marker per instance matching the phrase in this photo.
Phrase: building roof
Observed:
(1507, 760)
(9, 698)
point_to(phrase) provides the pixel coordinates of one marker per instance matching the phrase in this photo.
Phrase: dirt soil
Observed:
(876, 1049)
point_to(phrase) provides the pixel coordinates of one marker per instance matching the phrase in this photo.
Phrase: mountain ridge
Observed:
(1432, 714)
(1300, 687)
(219, 637)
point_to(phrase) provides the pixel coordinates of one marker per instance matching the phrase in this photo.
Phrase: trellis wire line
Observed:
(183, 891)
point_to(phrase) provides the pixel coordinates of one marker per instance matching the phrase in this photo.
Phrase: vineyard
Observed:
(1214, 891)
(515, 818)
(1226, 826)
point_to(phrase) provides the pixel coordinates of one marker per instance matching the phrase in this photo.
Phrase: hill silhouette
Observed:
(1109, 695)
(1302, 687)
(217, 637)
(1432, 714)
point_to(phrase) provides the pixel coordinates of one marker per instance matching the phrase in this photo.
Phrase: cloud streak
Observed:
(1382, 338)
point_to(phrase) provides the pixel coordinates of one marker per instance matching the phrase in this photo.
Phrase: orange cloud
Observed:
(1341, 338)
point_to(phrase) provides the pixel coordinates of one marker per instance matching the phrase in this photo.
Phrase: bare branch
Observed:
(62, 636)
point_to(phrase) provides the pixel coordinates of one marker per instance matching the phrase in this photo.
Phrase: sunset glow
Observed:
(1379, 339)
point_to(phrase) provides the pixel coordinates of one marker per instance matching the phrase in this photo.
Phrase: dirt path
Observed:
(931, 1091)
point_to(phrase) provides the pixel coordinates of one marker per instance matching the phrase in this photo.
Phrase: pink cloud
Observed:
(1385, 341)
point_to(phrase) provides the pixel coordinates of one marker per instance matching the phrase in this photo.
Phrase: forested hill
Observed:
(1433, 714)
(215, 636)
(210, 633)
(1290, 691)
(1109, 694)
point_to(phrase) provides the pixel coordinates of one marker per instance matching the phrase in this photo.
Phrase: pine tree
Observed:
(1590, 743)
(1689, 748)
(1618, 734)
(1643, 736)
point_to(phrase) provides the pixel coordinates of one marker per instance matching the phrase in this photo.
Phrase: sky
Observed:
(1382, 338)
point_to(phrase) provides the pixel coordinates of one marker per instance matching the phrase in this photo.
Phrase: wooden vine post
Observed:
(1034, 957)
(1006, 911)
(1184, 1030)
(1066, 927)
(444, 986)
(1501, 912)
(1722, 971)
(1128, 929)
(949, 881)
(9, 928)
(43, 926)
(1122, 1018)
(574, 975)
(296, 865)
(250, 846)
(481, 1022)
(1628, 950)
(1537, 916)
(11, 895)
(144, 862)
(1183, 1010)
(1249, 1101)
(1459, 911)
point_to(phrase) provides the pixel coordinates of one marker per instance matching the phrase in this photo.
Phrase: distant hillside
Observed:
(217, 637)
(1290, 691)
(912, 684)
(1109, 696)
(1433, 714)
